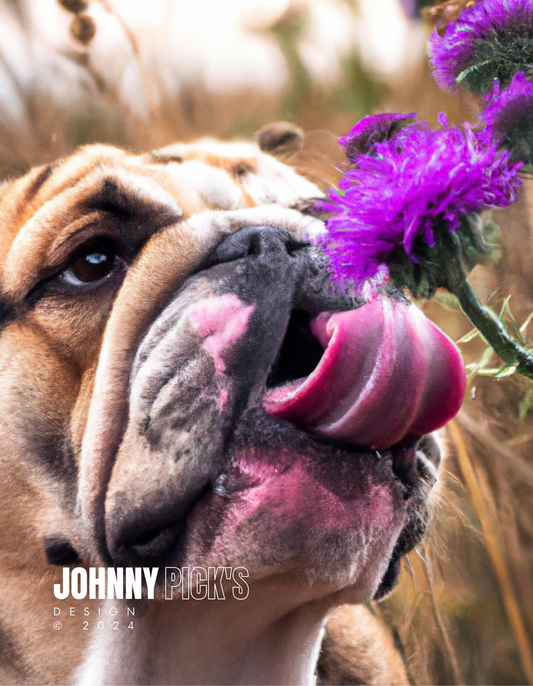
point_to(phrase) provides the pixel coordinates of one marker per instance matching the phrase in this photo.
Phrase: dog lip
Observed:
(410, 465)
(386, 373)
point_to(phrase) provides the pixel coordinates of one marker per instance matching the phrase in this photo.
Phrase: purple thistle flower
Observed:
(393, 203)
(491, 39)
(373, 129)
(508, 118)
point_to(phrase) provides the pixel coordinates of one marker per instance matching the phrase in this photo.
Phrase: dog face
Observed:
(152, 309)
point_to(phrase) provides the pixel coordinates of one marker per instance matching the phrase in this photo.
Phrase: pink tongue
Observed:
(387, 372)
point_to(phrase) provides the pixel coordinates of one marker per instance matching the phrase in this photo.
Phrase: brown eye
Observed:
(93, 262)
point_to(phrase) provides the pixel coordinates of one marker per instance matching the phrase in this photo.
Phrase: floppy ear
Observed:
(281, 138)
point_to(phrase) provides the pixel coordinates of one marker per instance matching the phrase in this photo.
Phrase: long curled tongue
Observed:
(387, 372)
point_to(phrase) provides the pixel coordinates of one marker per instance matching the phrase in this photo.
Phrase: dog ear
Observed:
(281, 138)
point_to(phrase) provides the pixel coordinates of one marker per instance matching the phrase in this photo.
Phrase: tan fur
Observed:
(358, 649)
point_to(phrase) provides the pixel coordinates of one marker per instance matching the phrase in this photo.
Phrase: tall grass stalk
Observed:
(485, 508)
(439, 620)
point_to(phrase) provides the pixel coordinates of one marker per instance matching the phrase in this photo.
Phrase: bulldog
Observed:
(184, 388)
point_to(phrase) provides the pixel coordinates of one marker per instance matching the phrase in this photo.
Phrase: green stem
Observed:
(486, 322)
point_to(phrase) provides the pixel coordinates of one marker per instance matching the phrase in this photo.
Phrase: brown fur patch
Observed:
(358, 649)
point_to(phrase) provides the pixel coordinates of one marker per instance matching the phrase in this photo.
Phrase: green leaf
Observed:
(447, 299)
(526, 324)
(469, 336)
(527, 404)
(504, 306)
(485, 358)
(499, 372)
(514, 323)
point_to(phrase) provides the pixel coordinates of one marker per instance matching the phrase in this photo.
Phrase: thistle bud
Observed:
(83, 29)
(74, 6)
(489, 40)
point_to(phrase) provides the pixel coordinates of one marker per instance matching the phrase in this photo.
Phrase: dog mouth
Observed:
(251, 393)
(378, 377)
(369, 377)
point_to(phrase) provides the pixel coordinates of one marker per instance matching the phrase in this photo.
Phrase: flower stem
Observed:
(485, 320)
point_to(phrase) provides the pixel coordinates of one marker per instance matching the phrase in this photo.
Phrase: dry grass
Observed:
(482, 498)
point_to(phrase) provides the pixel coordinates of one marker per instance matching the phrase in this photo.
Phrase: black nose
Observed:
(253, 240)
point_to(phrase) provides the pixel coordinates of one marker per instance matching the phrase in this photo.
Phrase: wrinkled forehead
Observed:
(103, 185)
(260, 178)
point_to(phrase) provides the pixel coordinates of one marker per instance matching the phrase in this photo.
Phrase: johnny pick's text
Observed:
(126, 583)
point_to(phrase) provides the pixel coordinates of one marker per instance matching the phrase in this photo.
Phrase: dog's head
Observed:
(182, 385)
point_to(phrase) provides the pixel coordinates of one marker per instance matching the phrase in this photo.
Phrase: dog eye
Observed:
(93, 262)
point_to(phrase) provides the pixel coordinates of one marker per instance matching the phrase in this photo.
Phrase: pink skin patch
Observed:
(387, 372)
(223, 397)
(221, 321)
(279, 507)
(294, 492)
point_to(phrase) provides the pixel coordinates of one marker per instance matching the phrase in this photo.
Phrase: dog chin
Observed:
(320, 512)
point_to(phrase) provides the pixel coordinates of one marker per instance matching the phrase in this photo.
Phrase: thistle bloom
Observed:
(491, 39)
(508, 117)
(371, 130)
(396, 198)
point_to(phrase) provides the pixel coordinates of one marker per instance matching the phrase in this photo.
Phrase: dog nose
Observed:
(253, 240)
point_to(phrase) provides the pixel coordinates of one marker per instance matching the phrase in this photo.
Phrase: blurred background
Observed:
(144, 74)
